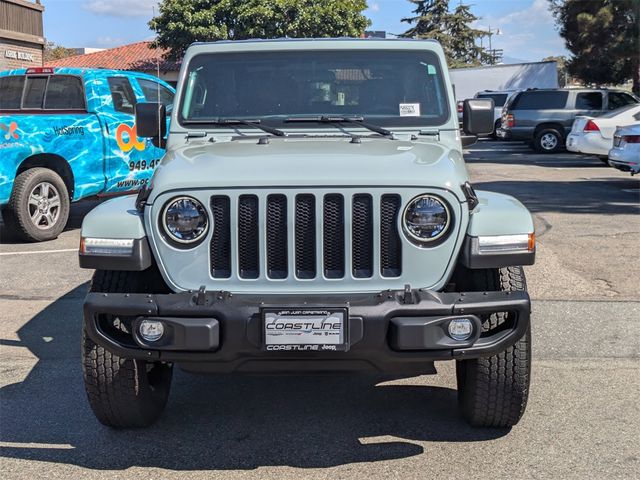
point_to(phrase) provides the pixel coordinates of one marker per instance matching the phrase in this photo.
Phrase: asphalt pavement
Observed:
(581, 422)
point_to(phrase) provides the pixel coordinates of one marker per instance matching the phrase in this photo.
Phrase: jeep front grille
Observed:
(333, 235)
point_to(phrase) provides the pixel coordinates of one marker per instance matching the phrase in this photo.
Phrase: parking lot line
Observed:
(39, 251)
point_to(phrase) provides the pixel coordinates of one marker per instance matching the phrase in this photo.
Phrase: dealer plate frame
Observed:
(297, 312)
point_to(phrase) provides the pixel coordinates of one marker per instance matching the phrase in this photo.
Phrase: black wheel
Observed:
(493, 391)
(38, 209)
(548, 140)
(122, 392)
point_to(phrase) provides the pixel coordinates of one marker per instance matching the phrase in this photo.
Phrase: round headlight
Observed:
(185, 220)
(426, 219)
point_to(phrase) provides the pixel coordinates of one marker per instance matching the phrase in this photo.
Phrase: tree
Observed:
(563, 73)
(432, 19)
(182, 22)
(602, 36)
(463, 47)
(56, 52)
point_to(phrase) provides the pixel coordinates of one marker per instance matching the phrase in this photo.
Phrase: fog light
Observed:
(151, 330)
(460, 329)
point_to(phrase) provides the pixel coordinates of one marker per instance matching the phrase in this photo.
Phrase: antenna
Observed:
(160, 140)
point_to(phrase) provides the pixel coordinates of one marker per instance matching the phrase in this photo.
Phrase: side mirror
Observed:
(477, 116)
(151, 120)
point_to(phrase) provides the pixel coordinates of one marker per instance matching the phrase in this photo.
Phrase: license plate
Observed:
(305, 329)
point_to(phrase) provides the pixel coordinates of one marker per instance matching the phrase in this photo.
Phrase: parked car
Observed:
(313, 212)
(625, 154)
(594, 135)
(499, 98)
(67, 134)
(543, 118)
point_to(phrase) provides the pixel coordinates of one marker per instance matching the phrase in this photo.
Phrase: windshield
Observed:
(498, 98)
(399, 88)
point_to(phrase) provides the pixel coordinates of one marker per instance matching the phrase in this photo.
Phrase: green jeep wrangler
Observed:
(312, 213)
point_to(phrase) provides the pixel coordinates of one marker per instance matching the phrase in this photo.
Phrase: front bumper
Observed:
(390, 331)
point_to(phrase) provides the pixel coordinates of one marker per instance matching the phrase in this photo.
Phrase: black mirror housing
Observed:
(151, 120)
(477, 116)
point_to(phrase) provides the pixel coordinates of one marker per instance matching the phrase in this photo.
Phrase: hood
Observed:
(307, 162)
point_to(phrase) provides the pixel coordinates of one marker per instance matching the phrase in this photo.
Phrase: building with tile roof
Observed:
(139, 57)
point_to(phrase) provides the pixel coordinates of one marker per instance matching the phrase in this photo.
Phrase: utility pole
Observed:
(496, 55)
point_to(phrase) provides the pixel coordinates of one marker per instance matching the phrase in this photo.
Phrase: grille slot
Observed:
(305, 236)
(362, 236)
(333, 236)
(277, 264)
(220, 248)
(248, 237)
(390, 244)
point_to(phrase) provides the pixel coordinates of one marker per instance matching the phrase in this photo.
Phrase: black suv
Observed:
(543, 117)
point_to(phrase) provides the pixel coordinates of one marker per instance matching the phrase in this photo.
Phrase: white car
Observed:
(625, 154)
(594, 135)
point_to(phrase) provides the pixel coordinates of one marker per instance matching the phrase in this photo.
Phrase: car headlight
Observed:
(426, 219)
(185, 220)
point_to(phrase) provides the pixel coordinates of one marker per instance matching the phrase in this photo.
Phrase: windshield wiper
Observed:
(237, 121)
(339, 119)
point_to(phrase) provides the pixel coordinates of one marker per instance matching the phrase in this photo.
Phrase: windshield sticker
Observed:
(409, 109)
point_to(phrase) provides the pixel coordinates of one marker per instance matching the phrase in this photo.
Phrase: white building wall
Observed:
(519, 76)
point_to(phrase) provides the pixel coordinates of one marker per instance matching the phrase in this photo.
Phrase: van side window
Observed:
(34, 92)
(124, 100)
(589, 101)
(542, 100)
(619, 99)
(150, 90)
(64, 92)
(11, 92)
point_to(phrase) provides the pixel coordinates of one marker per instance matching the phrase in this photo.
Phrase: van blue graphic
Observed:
(68, 134)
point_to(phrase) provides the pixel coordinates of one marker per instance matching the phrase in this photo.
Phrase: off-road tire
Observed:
(493, 391)
(123, 392)
(541, 145)
(16, 214)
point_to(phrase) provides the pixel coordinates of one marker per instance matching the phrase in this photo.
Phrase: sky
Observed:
(527, 30)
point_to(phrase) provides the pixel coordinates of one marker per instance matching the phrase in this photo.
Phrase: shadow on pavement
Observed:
(596, 195)
(217, 422)
(516, 153)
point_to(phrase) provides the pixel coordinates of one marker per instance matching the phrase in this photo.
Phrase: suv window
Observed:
(124, 100)
(150, 90)
(11, 92)
(589, 101)
(543, 100)
(498, 98)
(64, 92)
(619, 99)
